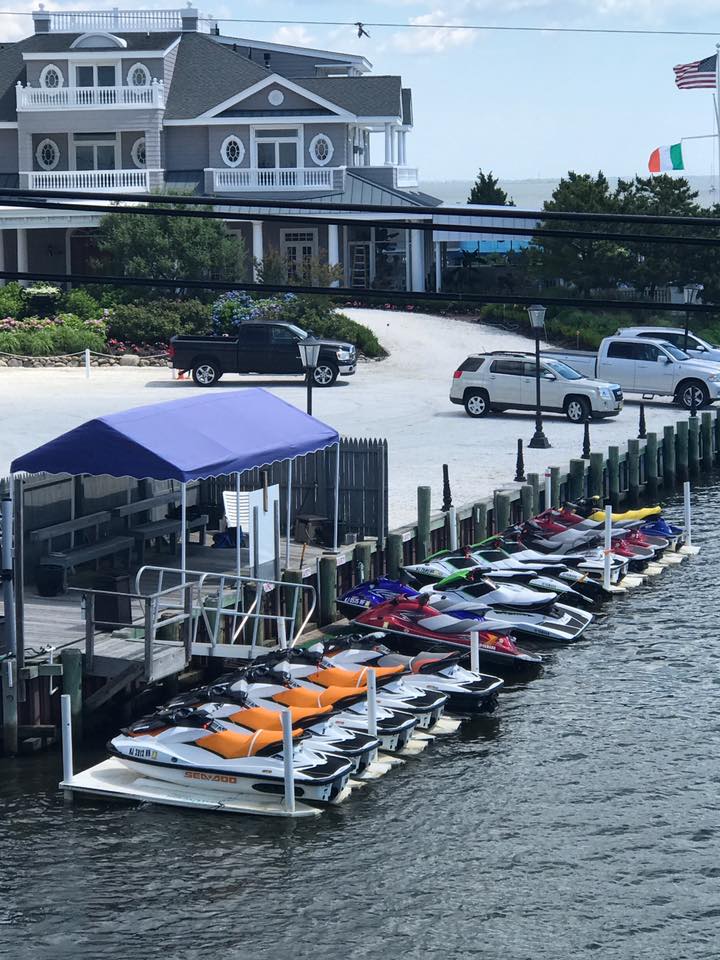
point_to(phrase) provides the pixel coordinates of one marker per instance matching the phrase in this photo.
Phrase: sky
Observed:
(523, 105)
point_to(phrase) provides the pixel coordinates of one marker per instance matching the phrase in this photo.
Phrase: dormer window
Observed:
(51, 77)
(138, 75)
(98, 41)
(95, 75)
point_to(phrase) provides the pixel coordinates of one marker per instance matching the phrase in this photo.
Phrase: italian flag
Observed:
(666, 158)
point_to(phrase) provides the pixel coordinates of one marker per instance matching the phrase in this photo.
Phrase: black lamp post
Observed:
(691, 292)
(309, 352)
(537, 321)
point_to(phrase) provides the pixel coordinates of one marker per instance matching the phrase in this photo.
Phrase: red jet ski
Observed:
(412, 625)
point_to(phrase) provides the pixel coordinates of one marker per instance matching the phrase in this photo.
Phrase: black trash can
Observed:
(112, 612)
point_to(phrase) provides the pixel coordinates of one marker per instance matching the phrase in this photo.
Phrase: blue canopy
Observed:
(189, 439)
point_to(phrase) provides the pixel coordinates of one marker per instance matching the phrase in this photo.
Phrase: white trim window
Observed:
(51, 77)
(47, 154)
(138, 153)
(138, 76)
(95, 151)
(321, 149)
(232, 151)
(96, 74)
(277, 148)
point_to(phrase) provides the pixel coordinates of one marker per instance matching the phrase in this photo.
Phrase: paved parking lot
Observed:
(403, 398)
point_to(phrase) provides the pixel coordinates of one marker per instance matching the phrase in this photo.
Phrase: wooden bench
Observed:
(73, 556)
(151, 503)
(169, 527)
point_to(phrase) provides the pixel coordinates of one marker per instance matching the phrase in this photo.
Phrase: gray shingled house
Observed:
(131, 101)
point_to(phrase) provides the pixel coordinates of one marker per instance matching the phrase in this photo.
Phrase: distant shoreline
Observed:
(531, 194)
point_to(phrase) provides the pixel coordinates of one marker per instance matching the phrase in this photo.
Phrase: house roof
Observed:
(61, 42)
(206, 74)
(364, 96)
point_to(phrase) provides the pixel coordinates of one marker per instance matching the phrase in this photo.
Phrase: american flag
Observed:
(700, 74)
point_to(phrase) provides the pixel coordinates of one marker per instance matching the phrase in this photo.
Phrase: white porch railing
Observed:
(83, 21)
(136, 180)
(73, 98)
(255, 178)
(406, 177)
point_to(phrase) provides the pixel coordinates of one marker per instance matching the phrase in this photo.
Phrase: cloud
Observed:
(15, 27)
(423, 38)
(295, 35)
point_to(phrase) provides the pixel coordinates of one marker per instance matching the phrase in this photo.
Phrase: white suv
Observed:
(502, 381)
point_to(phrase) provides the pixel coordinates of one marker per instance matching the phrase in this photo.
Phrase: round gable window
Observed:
(138, 152)
(276, 97)
(51, 77)
(321, 149)
(47, 154)
(232, 151)
(138, 75)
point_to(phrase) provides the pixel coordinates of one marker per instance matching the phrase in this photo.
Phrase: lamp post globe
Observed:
(536, 312)
(309, 354)
(691, 292)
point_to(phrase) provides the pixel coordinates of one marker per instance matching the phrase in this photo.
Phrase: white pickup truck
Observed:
(649, 367)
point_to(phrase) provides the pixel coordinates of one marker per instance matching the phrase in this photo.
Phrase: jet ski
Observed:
(190, 747)
(267, 685)
(529, 545)
(425, 705)
(413, 625)
(446, 673)
(239, 711)
(630, 531)
(371, 594)
(638, 555)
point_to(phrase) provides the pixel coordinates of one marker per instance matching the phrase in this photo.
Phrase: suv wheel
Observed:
(476, 404)
(206, 373)
(325, 374)
(577, 409)
(686, 391)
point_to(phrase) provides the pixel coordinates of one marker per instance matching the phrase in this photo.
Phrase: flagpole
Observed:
(717, 111)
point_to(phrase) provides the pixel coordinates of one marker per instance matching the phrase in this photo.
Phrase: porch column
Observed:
(2, 255)
(68, 256)
(366, 145)
(257, 247)
(333, 249)
(402, 148)
(418, 261)
(438, 266)
(388, 143)
(395, 139)
(153, 157)
(22, 254)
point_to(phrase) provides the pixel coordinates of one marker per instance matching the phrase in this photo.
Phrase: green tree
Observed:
(586, 264)
(487, 190)
(169, 248)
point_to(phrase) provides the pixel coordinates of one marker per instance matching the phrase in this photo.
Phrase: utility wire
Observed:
(425, 226)
(478, 27)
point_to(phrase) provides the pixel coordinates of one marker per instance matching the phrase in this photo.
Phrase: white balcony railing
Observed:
(406, 177)
(74, 98)
(82, 21)
(133, 180)
(255, 178)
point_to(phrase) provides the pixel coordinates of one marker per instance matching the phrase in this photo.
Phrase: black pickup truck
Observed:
(264, 348)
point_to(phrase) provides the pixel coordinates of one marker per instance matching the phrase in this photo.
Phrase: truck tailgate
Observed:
(580, 360)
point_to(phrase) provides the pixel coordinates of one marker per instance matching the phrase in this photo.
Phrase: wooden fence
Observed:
(363, 486)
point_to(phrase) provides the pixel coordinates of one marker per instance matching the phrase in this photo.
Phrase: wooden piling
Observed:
(480, 522)
(595, 475)
(327, 611)
(555, 487)
(651, 464)
(681, 449)
(526, 502)
(423, 524)
(10, 707)
(72, 685)
(633, 462)
(669, 458)
(613, 468)
(706, 433)
(502, 512)
(533, 480)
(394, 555)
(362, 555)
(576, 480)
(694, 445)
(289, 595)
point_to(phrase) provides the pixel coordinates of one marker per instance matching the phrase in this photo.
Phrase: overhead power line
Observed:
(359, 26)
